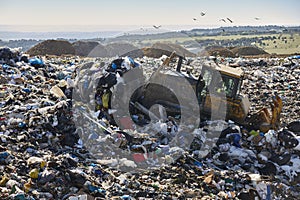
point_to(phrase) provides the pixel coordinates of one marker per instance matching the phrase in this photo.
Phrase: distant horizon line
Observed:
(55, 33)
(105, 28)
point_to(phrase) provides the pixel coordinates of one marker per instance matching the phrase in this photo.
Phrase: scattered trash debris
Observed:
(44, 155)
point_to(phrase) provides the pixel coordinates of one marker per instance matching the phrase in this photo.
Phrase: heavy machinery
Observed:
(218, 86)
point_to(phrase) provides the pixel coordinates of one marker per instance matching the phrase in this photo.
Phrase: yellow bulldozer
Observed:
(215, 79)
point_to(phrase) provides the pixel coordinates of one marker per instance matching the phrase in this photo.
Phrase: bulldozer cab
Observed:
(217, 90)
(218, 87)
(230, 82)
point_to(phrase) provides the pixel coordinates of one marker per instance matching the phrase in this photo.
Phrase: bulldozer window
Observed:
(207, 77)
(204, 81)
(229, 86)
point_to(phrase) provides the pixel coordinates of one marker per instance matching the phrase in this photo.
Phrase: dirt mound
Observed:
(98, 51)
(248, 51)
(216, 51)
(120, 49)
(137, 53)
(161, 48)
(83, 48)
(155, 53)
(115, 49)
(52, 47)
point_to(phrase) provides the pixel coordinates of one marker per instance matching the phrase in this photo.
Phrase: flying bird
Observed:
(202, 14)
(223, 20)
(156, 27)
(229, 20)
(194, 19)
(257, 18)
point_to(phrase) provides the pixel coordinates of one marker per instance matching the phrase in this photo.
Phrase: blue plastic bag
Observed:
(36, 62)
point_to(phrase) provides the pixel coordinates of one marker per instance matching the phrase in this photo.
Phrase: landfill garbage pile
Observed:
(44, 154)
(264, 77)
(11, 56)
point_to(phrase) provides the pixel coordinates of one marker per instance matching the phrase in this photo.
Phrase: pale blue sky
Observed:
(147, 13)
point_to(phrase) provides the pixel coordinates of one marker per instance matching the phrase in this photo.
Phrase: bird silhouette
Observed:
(202, 14)
(156, 27)
(257, 18)
(223, 20)
(194, 19)
(229, 20)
